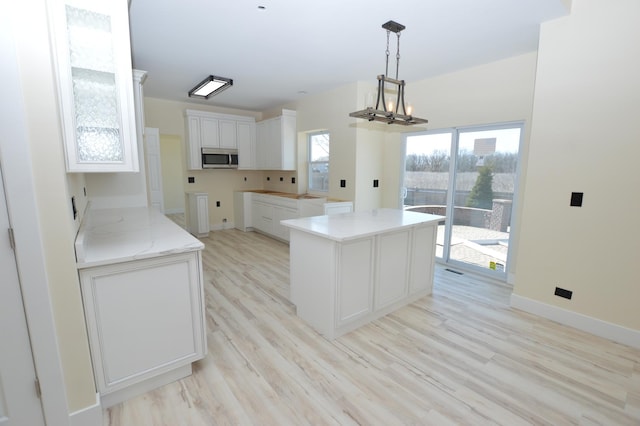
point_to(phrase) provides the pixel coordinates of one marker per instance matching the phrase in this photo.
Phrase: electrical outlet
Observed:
(375, 183)
(293, 180)
(268, 178)
(217, 203)
(191, 179)
(576, 199)
(343, 183)
(281, 179)
(245, 178)
(563, 293)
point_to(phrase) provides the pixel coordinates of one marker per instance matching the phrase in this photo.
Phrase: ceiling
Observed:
(277, 51)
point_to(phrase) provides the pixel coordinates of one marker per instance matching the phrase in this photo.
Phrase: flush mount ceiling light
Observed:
(210, 86)
(384, 111)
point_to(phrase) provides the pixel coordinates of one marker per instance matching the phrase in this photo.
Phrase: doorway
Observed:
(469, 176)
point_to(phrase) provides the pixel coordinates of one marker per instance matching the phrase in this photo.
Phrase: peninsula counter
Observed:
(142, 291)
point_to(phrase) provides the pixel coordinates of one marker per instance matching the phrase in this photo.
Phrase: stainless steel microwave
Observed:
(219, 158)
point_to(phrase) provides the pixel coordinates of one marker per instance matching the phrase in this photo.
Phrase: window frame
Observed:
(311, 163)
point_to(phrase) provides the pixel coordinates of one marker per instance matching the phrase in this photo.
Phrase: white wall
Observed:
(172, 173)
(585, 138)
(330, 111)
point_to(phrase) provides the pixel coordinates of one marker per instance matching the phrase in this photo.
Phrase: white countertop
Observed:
(109, 236)
(349, 226)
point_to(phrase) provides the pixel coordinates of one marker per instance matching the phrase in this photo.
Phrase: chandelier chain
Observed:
(386, 70)
(398, 56)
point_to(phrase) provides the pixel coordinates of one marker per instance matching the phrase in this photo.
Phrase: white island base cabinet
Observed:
(340, 284)
(145, 321)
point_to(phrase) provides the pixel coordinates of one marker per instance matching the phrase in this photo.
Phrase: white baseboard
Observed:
(221, 226)
(88, 416)
(116, 397)
(173, 211)
(617, 333)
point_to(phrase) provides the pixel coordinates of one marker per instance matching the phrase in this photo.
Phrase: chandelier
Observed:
(385, 111)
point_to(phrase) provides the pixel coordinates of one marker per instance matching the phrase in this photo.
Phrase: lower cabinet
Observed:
(262, 217)
(145, 321)
(198, 213)
(282, 213)
(268, 210)
(338, 286)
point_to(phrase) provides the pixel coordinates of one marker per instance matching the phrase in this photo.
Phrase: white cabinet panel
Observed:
(276, 140)
(261, 148)
(282, 213)
(246, 137)
(392, 267)
(355, 288)
(228, 134)
(198, 214)
(337, 207)
(154, 168)
(423, 259)
(144, 318)
(209, 132)
(262, 217)
(242, 210)
(194, 144)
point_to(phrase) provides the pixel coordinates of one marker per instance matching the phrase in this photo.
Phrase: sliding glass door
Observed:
(468, 175)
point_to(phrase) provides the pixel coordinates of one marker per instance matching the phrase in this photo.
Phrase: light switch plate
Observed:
(576, 199)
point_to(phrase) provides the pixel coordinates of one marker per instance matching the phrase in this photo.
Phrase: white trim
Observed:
(221, 226)
(601, 328)
(30, 260)
(113, 398)
(87, 416)
(174, 211)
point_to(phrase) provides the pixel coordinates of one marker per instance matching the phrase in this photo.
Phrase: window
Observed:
(470, 176)
(319, 161)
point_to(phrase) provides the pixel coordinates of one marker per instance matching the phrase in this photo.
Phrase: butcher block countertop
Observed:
(108, 236)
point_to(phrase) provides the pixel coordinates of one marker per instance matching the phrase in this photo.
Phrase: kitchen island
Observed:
(142, 291)
(349, 269)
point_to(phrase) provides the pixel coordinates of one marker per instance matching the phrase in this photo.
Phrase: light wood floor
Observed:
(460, 356)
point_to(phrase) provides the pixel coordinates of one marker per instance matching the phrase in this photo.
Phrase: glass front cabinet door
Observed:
(92, 52)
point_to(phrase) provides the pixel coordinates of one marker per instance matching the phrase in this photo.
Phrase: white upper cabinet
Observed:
(92, 54)
(246, 135)
(211, 130)
(276, 142)
(228, 134)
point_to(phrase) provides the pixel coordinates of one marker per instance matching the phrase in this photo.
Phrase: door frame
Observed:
(154, 166)
(451, 188)
(23, 216)
(18, 400)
